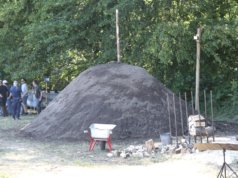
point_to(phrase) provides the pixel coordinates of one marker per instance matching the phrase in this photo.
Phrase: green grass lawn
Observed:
(9, 123)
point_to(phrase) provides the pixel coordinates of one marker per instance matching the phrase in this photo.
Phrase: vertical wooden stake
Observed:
(192, 102)
(212, 116)
(170, 128)
(117, 36)
(181, 113)
(186, 108)
(205, 103)
(197, 37)
(175, 122)
(186, 104)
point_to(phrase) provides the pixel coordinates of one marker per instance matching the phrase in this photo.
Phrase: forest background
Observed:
(61, 38)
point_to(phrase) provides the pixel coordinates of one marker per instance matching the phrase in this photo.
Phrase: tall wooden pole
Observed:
(175, 122)
(117, 36)
(197, 37)
(181, 113)
(192, 102)
(212, 116)
(186, 108)
(170, 128)
(205, 103)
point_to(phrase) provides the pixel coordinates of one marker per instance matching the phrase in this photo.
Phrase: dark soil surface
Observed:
(113, 93)
(227, 127)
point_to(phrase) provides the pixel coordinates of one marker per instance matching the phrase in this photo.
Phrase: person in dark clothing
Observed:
(3, 98)
(15, 94)
(38, 94)
(9, 100)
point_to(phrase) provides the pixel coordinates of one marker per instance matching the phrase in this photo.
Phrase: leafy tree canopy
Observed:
(62, 38)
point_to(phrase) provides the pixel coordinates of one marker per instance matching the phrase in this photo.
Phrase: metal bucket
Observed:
(166, 138)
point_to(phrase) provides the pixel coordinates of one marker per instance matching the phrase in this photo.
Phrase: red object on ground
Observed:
(93, 141)
(100, 132)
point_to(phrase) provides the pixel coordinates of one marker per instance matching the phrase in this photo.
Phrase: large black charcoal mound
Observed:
(112, 93)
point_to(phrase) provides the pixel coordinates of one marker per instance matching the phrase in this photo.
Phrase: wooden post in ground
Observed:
(117, 36)
(212, 115)
(175, 122)
(192, 102)
(197, 37)
(186, 104)
(170, 128)
(186, 109)
(205, 103)
(181, 113)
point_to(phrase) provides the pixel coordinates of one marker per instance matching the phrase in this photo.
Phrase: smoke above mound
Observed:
(112, 93)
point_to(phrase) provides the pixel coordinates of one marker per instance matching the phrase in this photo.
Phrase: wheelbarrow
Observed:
(100, 132)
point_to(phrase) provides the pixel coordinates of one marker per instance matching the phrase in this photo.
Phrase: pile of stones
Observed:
(150, 149)
(183, 146)
(136, 151)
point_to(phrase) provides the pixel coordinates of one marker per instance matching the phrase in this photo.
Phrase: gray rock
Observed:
(131, 148)
(138, 154)
(146, 154)
(110, 155)
(123, 155)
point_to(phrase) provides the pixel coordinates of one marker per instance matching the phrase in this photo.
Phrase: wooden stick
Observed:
(186, 104)
(212, 115)
(175, 122)
(170, 128)
(192, 102)
(186, 108)
(197, 38)
(117, 36)
(205, 103)
(181, 113)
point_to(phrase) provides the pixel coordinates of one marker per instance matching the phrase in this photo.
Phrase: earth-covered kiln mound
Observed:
(112, 93)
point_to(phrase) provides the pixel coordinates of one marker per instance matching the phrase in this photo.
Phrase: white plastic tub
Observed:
(101, 130)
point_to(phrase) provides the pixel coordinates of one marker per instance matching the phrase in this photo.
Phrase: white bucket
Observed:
(165, 138)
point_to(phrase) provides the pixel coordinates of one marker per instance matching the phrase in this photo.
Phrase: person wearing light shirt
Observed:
(24, 95)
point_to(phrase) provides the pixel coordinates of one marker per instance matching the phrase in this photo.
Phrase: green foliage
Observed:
(62, 38)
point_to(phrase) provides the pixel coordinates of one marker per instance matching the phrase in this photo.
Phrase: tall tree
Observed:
(62, 38)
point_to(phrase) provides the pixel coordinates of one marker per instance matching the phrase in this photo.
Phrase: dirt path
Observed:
(27, 158)
(166, 169)
(183, 168)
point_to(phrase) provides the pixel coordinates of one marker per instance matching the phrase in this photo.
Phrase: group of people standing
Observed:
(13, 99)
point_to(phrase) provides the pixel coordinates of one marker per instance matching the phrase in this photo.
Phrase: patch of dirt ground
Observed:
(28, 158)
